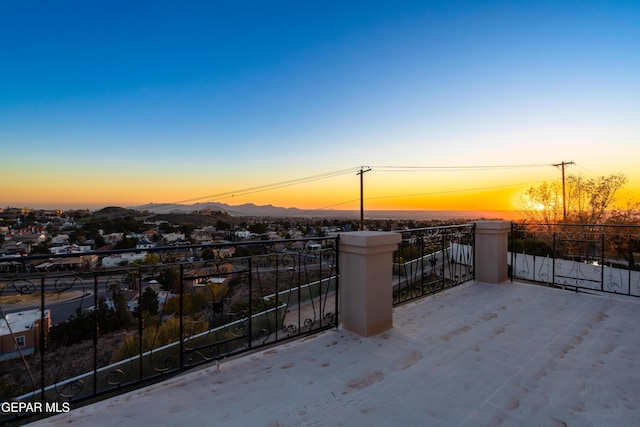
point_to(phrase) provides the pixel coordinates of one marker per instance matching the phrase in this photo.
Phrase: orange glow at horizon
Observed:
(330, 199)
(381, 192)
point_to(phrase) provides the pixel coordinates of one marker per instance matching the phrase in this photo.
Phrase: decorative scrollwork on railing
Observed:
(115, 377)
(208, 354)
(308, 323)
(544, 275)
(310, 257)
(216, 351)
(120, 281)
(70, 389)
(189, 341)
(22, 286)
(330, 318)
(614, 286)
(164, 363)
(290, 329)
(523, 270)
(329, 257)
(65, 283)
(559, 268)
(264, 261)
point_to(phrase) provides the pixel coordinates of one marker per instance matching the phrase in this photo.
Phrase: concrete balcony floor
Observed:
(476, 355)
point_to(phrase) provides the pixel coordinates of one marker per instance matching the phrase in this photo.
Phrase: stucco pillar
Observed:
(366, 273)
(491, 251)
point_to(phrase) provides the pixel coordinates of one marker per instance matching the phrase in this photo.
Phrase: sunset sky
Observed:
(451, 104)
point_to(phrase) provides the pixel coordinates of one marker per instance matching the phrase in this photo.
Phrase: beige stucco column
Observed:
(491, 251)
(366, 291)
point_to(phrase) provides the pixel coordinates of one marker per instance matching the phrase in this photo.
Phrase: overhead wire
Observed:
(382, 168)
(265, 187)
(589, 172)
(463, 190)
(455, 168)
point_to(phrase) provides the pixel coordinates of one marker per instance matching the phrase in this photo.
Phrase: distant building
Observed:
(172, 237)
(117, 260)
(314, 246)
(145, 244)
(243, 234)
(30, 237)
(201, 236)
(60, 239)
(69, 249)
(13, 248)
(113, 238)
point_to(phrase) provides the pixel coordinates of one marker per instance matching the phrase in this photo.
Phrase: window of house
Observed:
(20, 341)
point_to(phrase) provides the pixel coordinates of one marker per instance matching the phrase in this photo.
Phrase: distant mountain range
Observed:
(247, 209)
(252, 210)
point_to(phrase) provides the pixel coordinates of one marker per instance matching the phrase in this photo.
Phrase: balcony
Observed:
(470, 352)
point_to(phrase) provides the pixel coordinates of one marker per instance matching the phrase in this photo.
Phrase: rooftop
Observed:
(20, 321)
(475, 355)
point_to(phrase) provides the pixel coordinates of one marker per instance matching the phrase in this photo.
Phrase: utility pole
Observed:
(361, 173)
(564, 196)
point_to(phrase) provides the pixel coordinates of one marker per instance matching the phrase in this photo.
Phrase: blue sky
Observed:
(118, 103)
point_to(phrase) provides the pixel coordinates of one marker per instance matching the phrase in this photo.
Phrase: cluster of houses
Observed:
(19, 240)
(19, 331)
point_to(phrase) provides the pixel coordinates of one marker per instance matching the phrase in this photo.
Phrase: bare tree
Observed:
(589, 201)
(542, 204)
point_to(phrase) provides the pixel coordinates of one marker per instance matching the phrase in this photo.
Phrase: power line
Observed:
(465, 190)
(433, 193)
(334, 205)
(360, 171)
(588, 171)
(266, 187)
(296, 181)
(455, 168)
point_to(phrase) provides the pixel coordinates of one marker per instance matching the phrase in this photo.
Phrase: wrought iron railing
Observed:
(580, 257)
(429, 260)
(80, 325)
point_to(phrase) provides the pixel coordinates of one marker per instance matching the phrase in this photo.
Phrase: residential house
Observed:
(145, 244)
(60, 240)
(70, 249)
(243, 234)
(201, 236)
(148, 235)
(20, 332)
(30, 237)
(172, 237)
(13, 248)
(112, 238)
(117, 260)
